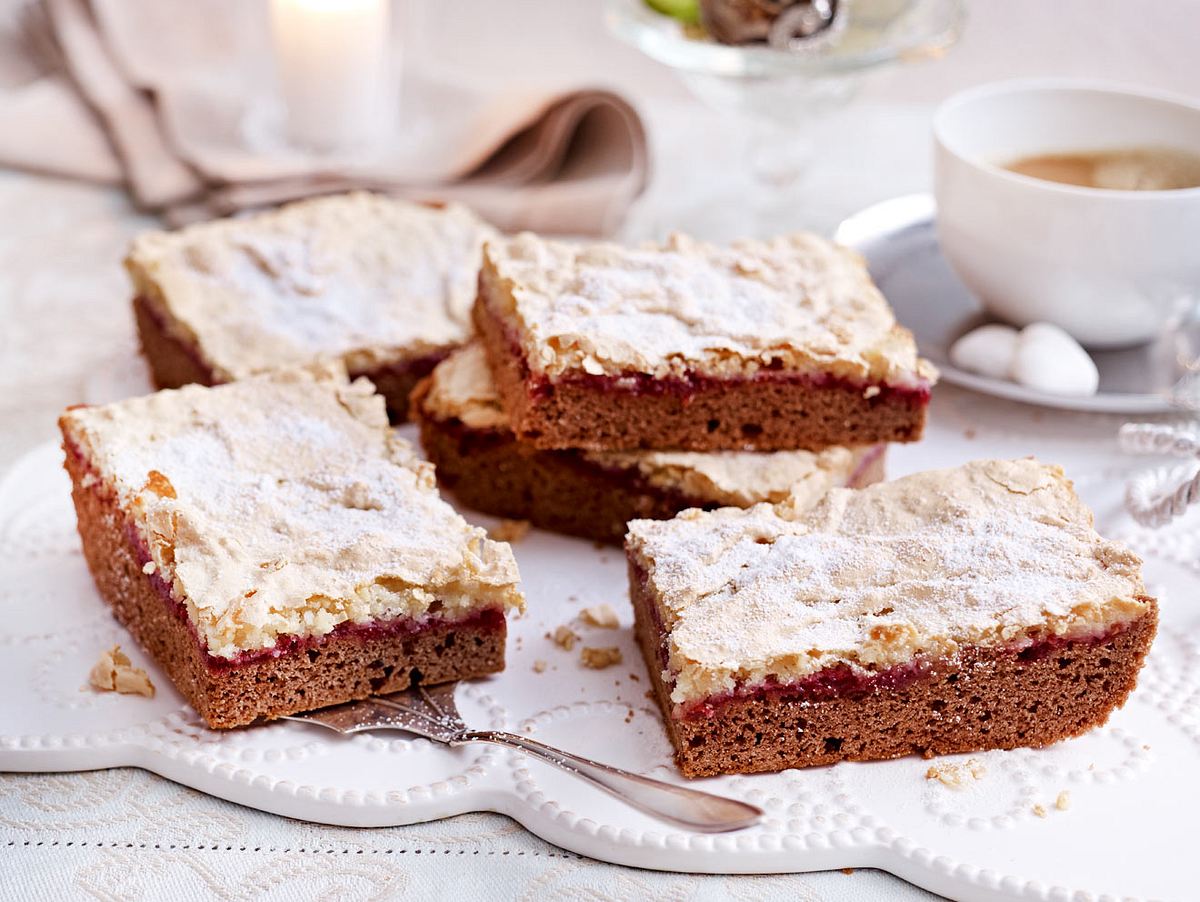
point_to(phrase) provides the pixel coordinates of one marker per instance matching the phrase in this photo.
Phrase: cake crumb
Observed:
(1063, 802)
(148, 568)
(357, 496)
(565, 637)
(956, 775)
(599, 658)
(539, 666)
(847, 871)
(1039, 810)
(635, 677)
(114, 672)
(509, 530)
(157, 483)
(602, 615)
(969, 433)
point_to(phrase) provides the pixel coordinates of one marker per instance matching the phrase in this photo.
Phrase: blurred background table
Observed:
(127, 834)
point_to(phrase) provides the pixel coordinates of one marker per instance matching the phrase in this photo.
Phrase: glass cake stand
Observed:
(775, 98)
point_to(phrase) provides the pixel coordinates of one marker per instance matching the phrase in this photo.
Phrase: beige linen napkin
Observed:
(178, 98)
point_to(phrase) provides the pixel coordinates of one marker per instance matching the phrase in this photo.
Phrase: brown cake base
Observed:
(175, 362)
(343, 666)
(982, 699)
(397, 381)
(562, 491)
(772, 411)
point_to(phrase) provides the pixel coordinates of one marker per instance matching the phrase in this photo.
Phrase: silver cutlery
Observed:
(431, 713)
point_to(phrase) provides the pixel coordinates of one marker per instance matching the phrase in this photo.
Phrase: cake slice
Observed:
(950, 611)
(275, 548)
(594, 494)
(762, 345)
(383, 285)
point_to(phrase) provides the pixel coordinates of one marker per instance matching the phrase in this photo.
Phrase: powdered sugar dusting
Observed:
(461, 387)
(993, 553)
(358, 276)
(796, 301)
(291, 508)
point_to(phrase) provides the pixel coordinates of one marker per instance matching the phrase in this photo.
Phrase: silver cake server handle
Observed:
(432, 713)
(690, 808)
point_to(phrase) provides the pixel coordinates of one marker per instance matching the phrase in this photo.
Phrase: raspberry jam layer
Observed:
(693, 383)
(488, 619)
(397, 628)
(842, 680)
(856, 480)
(633, 384)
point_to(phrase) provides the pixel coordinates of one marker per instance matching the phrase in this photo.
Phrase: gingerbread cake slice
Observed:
(594, 494)
(760, 345)
(383, 285)
(951, 611)
(275, 548)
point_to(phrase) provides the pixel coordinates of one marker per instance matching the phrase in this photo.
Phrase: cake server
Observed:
(431, 712)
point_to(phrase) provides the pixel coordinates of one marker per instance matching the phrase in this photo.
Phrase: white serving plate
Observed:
(1133, 784)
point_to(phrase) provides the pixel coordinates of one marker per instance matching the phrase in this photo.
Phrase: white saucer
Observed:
(900, 243)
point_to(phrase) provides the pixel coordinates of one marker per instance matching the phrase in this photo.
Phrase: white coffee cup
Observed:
(1110, 267)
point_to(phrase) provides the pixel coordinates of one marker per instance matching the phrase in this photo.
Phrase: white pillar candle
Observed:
(332, 59)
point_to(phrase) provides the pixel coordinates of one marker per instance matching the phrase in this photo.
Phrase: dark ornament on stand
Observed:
(783, 24)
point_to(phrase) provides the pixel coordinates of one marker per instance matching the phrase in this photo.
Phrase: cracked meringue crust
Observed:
(365, 279)
(797, 303)
(283, 507)
(991, 555)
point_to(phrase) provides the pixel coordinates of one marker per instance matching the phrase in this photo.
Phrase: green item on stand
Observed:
(687, 11)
